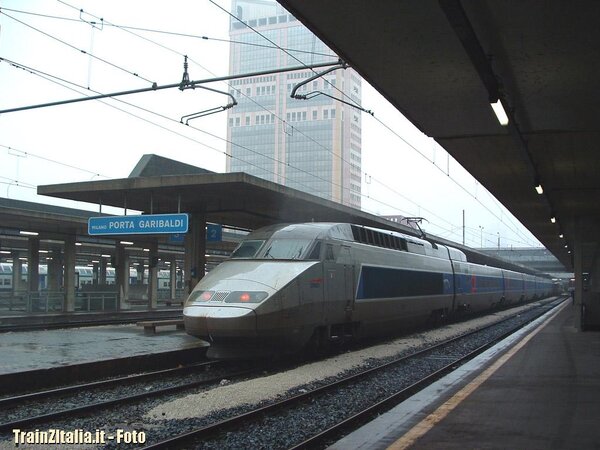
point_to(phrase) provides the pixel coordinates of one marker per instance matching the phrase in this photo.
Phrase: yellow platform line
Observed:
(432, 419)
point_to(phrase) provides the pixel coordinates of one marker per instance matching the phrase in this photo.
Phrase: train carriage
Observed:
(290, 285)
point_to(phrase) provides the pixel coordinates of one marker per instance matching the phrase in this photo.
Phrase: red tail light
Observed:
(246, 297)
(205, 296)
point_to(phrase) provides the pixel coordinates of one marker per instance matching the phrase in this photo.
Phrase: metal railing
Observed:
(96, 301)
(53, 302)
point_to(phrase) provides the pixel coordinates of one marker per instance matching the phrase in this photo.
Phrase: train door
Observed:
(345, 258)
(339, 275)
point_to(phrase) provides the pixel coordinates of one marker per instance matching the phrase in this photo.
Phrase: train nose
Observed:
(219, 322)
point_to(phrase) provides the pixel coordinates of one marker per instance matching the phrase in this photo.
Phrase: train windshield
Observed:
(248, 249)
(286, 249)
(278, 249)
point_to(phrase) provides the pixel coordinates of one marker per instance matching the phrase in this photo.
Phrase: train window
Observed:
(329, 256)
(315, 253)
(247, 249)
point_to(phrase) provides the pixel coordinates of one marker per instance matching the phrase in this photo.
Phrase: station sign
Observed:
(144, 224)
(214, 232)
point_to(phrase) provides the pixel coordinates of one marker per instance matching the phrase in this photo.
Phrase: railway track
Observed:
(107, 390)
(313, 417)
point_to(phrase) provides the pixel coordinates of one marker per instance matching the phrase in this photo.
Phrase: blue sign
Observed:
(176, 238)
(146, 224)
(214, 232)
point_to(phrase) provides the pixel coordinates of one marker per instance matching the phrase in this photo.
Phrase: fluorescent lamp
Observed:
(553, 219)
(5, 252)
(105, 256)
(78, 244)
(500, 113)
(29, 233)
(126, 243)
(539, 189)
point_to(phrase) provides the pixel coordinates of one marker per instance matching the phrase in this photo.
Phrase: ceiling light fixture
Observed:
(561, 235)
(500, 112)
(553, 219)
(538, 188)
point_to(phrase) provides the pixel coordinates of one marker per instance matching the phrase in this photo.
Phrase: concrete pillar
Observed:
(95, 273)
(195, 249)
(69, 273)
(55, 271)
(578, 267)
(173, 278)
(140, 273)
(153, 276)
(17, 272)
(33, 264)
(102, 272)
(122, 276)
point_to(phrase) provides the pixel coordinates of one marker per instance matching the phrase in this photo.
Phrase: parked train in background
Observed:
(84, 276)
(292, 285)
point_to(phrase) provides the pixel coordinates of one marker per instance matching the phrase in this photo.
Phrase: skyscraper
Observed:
(310, 145)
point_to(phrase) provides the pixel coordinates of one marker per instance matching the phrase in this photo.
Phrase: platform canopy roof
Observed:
(440, 62)
(232, 199)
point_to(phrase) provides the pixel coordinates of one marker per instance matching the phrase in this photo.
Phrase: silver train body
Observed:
(287, 286)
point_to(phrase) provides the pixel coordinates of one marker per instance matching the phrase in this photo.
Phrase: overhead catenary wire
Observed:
(43, 158)
(470, 194)
(342, 159)
(165, 128)
(78, 49)
(154, 87)
(280, 48)
(275, 46)
(284, 122)
(381, 122)
(186, 137)
(104, 21)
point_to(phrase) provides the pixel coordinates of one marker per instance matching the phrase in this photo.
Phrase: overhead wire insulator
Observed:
(185, 80)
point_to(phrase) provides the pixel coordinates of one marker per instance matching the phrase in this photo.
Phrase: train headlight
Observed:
(246, 297)
(200, 296)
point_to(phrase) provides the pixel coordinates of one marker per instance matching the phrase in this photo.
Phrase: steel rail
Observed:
(20, 423)
(213, 428)
(4, 402)
(403, 394)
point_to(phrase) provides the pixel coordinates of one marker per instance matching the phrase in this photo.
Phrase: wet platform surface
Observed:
(32, 360)
(541, 393)
(33, 350)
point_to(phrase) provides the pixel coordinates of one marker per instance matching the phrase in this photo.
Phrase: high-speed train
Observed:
(294, 285)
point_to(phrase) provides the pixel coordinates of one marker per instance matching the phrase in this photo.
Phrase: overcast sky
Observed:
(404, 172)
